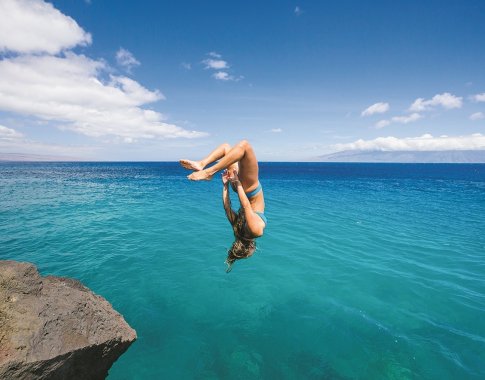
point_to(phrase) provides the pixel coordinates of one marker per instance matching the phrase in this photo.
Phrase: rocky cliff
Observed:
(56, 328)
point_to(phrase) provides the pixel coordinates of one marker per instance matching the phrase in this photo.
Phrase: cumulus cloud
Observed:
(479, 97)
(34, 26)
(375, 109)
(399, 119)
(9, 134)
(406, 119)
(382, 124)
(216, 64)
(73, 91)
(425, 142)
(126, 60)
(220, 66)
(445, 100)
(69, 90)
(225, 76)
(477, 116)
(222, 75)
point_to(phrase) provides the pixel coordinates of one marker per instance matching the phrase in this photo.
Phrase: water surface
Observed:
(366, 271)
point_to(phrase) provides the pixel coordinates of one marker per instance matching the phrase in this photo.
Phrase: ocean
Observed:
(365, 271)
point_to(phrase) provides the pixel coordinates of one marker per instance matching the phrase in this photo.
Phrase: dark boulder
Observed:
(56, 328)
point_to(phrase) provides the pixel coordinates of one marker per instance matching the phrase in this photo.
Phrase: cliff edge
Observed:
(56, 328)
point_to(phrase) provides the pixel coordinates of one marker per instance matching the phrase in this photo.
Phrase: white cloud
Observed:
(276, 130)
(477, 116)
(69, 90)
(376, 108)
(479, 97)
(34, 26)
(186, 66)
(73, 91)
(399, 119)
(9, 134)
(382, 123)
(423, 143)
(445, 100)
(406, 119)
(221, 66)
(298, 11)
(222, 75)
(126, 60)
(215, 64)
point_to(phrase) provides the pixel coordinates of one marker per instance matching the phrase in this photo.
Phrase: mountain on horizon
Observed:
(443, 156)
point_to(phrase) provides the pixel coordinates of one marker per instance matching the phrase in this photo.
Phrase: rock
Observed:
(56, 328)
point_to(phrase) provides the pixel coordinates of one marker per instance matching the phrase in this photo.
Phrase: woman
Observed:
(241, 171)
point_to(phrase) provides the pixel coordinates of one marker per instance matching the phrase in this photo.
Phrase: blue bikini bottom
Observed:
(251, 194)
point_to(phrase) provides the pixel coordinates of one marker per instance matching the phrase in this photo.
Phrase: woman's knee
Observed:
(244, 144)
(226, 147)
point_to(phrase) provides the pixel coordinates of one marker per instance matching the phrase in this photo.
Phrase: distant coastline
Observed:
(445, 157)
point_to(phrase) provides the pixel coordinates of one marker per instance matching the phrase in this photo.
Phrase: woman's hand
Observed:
(226, 177)
(233, 177)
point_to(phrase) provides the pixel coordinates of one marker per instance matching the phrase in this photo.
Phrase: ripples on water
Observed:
(365, 271)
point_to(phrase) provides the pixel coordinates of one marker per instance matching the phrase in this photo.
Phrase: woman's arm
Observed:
(226, 200)
(254, 222)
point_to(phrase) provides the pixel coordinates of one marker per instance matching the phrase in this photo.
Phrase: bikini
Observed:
(261, 215)
(251, 194)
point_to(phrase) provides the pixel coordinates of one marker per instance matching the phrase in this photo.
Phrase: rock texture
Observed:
(56, 328)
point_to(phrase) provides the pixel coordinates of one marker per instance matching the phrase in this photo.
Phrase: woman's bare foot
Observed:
(191, 165)
(201, 175)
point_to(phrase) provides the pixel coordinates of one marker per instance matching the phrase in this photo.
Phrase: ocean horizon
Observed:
(365, 270)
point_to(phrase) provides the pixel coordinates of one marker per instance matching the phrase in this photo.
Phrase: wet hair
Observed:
(243, 246)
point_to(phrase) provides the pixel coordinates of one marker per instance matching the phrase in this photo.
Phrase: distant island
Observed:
(443, 156)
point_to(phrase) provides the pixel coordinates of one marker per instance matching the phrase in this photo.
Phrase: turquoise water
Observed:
(366, 271)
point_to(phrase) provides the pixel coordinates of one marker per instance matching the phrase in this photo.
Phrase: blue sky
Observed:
(158, 80)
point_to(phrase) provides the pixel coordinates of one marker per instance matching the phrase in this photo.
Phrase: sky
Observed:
(163, 80)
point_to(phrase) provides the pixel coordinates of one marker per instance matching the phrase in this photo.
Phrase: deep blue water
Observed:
(366, 271)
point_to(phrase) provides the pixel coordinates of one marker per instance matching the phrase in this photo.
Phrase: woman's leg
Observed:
(215, 155)
(248, 165)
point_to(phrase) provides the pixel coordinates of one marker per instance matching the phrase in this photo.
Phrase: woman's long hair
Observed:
(243, 246)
